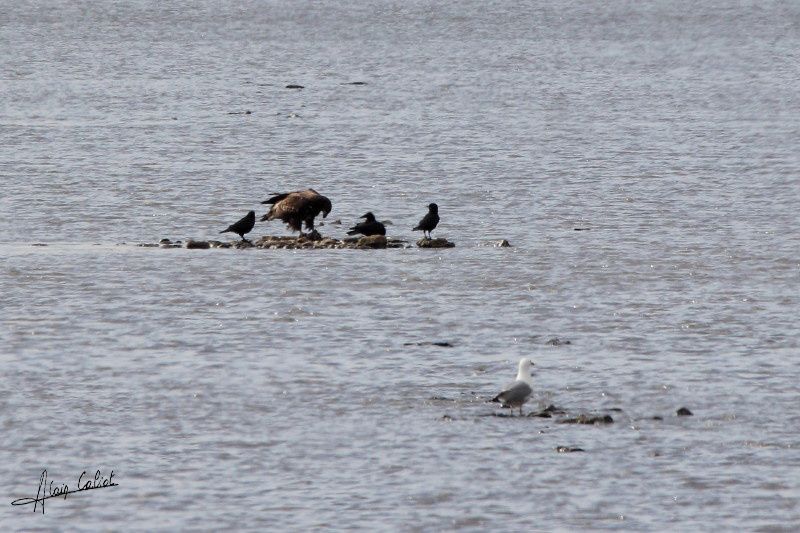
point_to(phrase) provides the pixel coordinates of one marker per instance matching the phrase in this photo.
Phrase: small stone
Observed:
(197, 245)
(683, 411)
(657, 418)
(165, 241)
(372, 241)
(555, 341)
(435, 243)
(568, 449)
(588, 420)
(503, 244)
(294, 86)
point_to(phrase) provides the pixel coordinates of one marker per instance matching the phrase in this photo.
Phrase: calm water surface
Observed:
(290, 390)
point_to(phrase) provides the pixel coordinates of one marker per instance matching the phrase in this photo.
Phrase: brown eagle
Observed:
(297, 207)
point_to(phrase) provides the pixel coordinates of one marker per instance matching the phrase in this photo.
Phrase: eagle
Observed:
(297, 207)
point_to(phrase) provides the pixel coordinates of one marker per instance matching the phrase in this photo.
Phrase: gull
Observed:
(517, 393)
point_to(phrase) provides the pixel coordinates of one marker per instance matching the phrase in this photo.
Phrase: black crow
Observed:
(369, 227)
(245, 225)
(429, 221)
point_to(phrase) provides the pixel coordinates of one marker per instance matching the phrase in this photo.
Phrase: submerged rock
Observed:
(683, 411)
(435, 243)
(548, 412)
(311, 240)
(442, 344)
(555, 341)
(568, 449)
(588, 420)
(503, 244)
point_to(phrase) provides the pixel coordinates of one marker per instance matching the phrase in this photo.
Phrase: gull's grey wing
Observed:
(515, 394)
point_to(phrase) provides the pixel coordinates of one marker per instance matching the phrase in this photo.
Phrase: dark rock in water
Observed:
(435, 243)
(219, 244)
(294, 86)
(568, 449)
(657, 418)
(588, 420)
(581, 229)
(248, 112)
(442, 344)
(241, 245)
(372, 241)
(355, 83)
(684, 412)
(197, 245)
(447, 417)
(148, 245)
(555, 341)
(38, 244)
(548, 412)
(171, 245)
(165, 241)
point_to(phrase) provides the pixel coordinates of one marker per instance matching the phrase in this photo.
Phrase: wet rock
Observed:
(588, 420)
(396, 243)
(241, 245)
(568, 449)
(435, 243)
(355, 83)
(294, 86)
(555, 341)
(247, 112)
(171, 245)
(548, 412)
(442, 344)
(165, 241)
(447, 417)
(657, 418)
(148, 245)
(683, 411)
(582, 229)
(197, 245)
(441, 399)
(372, 241)
(38, 244)
(219, 244)
(503, 244)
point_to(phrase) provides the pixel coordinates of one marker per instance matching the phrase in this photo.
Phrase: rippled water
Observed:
(287, 390)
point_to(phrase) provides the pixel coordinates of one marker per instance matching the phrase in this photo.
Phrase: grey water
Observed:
(294, 390)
